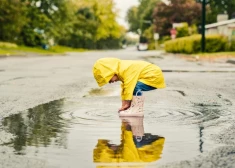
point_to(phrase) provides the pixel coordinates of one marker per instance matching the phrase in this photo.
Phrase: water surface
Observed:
(68, 133)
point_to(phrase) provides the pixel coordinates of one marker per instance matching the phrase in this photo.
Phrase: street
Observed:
(53, 114)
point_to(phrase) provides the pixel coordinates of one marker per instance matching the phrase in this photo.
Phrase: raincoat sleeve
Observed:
(129, 83)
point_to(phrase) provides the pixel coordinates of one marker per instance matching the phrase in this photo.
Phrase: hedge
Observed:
(192, 44)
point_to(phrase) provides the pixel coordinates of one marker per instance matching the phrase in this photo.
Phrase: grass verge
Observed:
(10, 49)
(207, 56)
(217, 54)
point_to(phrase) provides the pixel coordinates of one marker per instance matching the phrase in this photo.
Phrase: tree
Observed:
(222, 7)
(178, 11)
(94, 25)
(132, 19)
(145, 13)
(137, 16)
(45, 20)
(84, 23)
(12, 19)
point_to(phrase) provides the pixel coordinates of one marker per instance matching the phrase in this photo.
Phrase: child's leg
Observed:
(142, 87)
(137, 102)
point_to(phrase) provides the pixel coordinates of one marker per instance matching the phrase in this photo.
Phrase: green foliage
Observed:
(12, 19)
(145, 13)
(179, 11)
(140, 17)
(163, 39)
(231, 45)
(94, 26)
(148, 33)
(185, 30)
(221, 6)
(182, 31)
(132, 19)
(79, 24)
(192, 44)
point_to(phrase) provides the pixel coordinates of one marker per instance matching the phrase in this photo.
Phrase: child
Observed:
(136, 149)
(135, 75)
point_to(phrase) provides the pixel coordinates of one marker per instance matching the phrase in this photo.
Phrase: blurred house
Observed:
(223, 26)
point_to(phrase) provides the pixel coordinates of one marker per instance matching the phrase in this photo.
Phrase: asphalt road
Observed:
(52, 113)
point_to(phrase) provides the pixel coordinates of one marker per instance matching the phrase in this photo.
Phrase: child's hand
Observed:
(125, 105)
(123, 108)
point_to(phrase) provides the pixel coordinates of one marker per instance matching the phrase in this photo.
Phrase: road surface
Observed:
(53, 114)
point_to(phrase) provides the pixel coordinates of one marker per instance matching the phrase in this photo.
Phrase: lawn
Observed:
(10, 49)
(218, 54)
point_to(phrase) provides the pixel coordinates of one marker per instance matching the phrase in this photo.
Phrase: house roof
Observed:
(220, 23)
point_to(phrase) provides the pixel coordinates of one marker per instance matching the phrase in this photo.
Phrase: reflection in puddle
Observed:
(40, 126)
(135, 146)
(103, 92)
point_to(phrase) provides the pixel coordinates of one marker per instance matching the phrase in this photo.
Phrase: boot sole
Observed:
(131, 115)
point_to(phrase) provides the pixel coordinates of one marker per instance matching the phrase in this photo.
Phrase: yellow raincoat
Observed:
(127, 151)
(129, 72)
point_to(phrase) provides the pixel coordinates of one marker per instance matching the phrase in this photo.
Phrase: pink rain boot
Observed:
(137, 126)
(136, 109)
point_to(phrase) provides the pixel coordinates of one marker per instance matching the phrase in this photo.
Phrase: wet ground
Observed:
(53, 114)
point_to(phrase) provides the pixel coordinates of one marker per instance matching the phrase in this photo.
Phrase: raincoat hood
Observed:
(104, 69)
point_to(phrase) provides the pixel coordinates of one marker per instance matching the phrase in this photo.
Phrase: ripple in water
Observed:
(186, 114)
(59, 131)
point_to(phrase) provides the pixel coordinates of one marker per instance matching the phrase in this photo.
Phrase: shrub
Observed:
(182, 31)
(232, 45)
(192, 44)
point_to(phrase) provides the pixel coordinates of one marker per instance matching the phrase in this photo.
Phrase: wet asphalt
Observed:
(54, 115)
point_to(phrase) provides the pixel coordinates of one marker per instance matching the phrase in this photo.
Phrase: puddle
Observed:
(68, 134)
(106, 91)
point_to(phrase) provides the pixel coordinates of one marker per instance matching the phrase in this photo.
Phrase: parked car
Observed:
(143, 44)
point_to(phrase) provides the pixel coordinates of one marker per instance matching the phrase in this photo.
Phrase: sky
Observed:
(123, 6)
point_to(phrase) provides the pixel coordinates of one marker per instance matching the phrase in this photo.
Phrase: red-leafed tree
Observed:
(176, 12)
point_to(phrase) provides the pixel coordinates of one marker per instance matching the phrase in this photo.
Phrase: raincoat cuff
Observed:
(127, 97)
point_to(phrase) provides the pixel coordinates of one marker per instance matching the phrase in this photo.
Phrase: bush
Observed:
(192, 44)
(182, 31)
(232, 45)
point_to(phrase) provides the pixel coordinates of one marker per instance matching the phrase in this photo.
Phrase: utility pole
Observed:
(203, 40)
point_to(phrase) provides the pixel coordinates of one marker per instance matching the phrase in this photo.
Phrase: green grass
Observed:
(217, 54)
(210, 55)
(8, 49)
(53, 50)
(63, 49)
(6, 52)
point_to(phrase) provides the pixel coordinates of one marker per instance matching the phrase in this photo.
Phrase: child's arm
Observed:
(125, 105)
